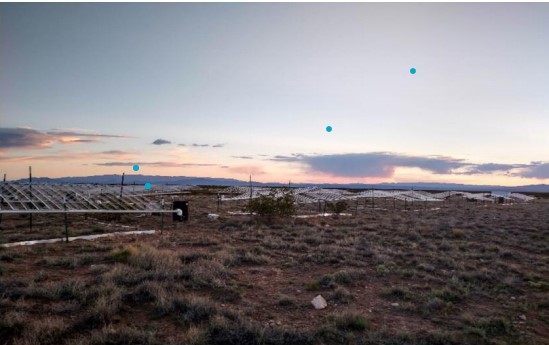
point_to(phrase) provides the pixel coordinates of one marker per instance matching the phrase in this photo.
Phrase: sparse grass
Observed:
(351, 322)
(459, 276)
(286, 301)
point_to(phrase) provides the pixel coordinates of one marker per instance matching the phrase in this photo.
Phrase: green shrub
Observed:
(339, 207)
(122, 255)
(351, 322)
(273, 204)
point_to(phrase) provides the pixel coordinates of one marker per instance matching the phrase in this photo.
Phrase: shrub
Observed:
(274, 204)
(339, 207)
(342, 295)
(351, 322)
(123, 254)
(286, 301)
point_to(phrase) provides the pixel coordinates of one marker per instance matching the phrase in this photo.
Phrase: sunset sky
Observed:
(229, 90)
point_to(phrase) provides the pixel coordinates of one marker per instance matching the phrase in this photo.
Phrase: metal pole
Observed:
(162, 218)
(250, 187)
(66, 223)
(30, 193)
(83, 211)
(122, 185)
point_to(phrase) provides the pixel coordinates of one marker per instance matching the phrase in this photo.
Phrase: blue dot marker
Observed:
(412, 70)
(148, 185)
(135, 167)
(328, 129)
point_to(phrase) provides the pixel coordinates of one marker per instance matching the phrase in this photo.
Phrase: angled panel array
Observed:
(23, 197)
(315, 194)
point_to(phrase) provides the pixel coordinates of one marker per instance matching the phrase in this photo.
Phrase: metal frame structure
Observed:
(26, 198)
(316, 194)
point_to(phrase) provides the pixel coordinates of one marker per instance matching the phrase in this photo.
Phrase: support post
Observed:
(122, 185)
(218, 201)
(373, 203)
(66, 222)
(356, 207)
(162, 218)
(30, 195)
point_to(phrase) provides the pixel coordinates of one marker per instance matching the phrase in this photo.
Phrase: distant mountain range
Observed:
(212, 181)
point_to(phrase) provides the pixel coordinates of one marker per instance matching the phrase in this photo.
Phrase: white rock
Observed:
(212, 216)
(319, 302)
(394, 304)
(523, 317)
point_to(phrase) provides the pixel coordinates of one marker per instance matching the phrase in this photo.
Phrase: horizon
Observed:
(142, 178)
(316, 93)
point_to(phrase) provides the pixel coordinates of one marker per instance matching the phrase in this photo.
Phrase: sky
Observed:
(232, 90)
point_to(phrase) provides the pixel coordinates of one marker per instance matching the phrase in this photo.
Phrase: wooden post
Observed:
(4, 178)
(218, 201)
(373, 203)
(356, 208)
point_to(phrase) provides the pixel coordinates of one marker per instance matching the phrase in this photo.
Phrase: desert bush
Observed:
(206, 273)
(119, 336)
(339, 207)
(44, 331)
(351, 321)
(342, 295)
(400, 293)
(273, 204)
(122, 255)
(286, 301)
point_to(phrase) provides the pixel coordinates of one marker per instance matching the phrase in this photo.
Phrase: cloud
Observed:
(538, 170)
(67, 155)
(384, 164)
(24, 138)
(59, 133)
(115, 152)
(488, 168)
(161, 142)
(247, 169)
(75, 141)
(374, 164)
(158, 164)
(243, 157)
(203, 145)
